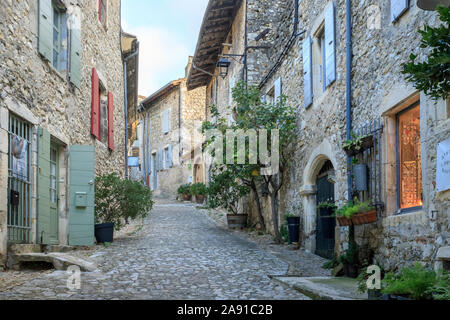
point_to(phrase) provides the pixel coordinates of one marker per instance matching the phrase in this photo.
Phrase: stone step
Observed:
(61, 261)
(324, 288)
(37, 248)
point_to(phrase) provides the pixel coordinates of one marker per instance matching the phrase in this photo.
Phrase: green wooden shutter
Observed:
(81, 201)
(75, 55)
(307, 72)
(330, 45)
(45, 39)
(43, 201)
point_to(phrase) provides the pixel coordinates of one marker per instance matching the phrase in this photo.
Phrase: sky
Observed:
(167, 31)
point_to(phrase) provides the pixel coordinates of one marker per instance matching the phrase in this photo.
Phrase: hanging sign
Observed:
(20, 159)
(443, 166)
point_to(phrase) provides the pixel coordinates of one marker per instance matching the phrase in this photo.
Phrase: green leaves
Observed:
(433, 75)
(118, 200)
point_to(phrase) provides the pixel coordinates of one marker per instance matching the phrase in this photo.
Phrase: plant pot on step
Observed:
(294, 229)
(186, 197)
(344, 222)
(237, 221)
(104, 233)
(200, 199)
(365, 218)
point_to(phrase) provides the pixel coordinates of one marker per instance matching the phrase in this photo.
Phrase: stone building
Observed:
(299, 49)
(62, 117)
(170, 122)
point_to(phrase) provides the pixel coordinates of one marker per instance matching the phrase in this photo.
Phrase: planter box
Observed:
(367, 143)
(104, 233)
(344, 222)
(237, 221)
(365, 218)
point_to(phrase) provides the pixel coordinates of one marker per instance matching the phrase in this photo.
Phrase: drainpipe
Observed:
(125, 61)
(349, 87)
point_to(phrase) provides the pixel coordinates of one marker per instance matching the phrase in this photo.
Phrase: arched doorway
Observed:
(326, 222)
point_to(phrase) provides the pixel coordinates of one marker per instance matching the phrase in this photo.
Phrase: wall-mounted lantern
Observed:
(223, 65)
(431, 5)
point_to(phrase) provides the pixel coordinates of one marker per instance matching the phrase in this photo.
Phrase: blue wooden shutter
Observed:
(170, 157)
(278, 88)
(307, 72)
(45, 41)
(330, 45)
(398, 7)
(75, 54)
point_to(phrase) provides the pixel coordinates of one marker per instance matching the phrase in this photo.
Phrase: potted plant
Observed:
(416, 283)
(199, 190)
(185, 192)
(225, 191)
(293, 222)
(117, 201)
(358, 144)
(356, 213)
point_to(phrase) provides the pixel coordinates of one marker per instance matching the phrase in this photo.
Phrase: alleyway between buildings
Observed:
(180, 253)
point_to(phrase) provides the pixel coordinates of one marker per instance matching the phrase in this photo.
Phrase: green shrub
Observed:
(284, 233)
(185, 189)
(119, 201)
(352, 208)
(198, 189)
(417, 283)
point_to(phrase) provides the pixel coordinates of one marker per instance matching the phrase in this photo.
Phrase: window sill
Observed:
(413, 217)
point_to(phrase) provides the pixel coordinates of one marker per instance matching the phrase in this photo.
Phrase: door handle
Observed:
(91, 182)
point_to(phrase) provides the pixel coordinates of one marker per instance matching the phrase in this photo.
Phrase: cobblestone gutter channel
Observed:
(180, 253)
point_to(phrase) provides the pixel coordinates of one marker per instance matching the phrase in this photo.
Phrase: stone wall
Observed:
(378, 88)
(33, 89)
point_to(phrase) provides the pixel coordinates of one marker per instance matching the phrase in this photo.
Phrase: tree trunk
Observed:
(258, 206)
(274, 205)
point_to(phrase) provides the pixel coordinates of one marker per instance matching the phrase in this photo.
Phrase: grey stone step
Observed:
(324, 288)
(61, 261)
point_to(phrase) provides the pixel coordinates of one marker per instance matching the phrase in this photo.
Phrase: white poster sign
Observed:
(443, 166)
(20, 159)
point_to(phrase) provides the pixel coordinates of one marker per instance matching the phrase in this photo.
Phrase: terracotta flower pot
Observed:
(200, 199)
(344, 222)
(365, 218)
(367, 143)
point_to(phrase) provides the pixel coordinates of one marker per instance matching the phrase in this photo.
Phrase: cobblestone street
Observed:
(179, 254)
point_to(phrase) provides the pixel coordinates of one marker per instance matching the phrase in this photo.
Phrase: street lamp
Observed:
(223, 65)
(431, 5)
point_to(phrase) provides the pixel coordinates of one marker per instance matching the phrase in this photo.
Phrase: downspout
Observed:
(246, 45)
(349, 88)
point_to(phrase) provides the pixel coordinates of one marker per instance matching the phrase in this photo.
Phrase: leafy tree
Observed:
(433, 75)
(118, 200)
(254, 114)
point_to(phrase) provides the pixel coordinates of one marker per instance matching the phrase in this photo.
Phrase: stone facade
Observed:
(379, 92)
(167, 152)
(34, 90)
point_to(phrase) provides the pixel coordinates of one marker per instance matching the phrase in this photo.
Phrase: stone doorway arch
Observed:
(322, 156)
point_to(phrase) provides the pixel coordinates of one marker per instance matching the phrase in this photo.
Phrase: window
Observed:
(103, 117)
(60, 53)
(102, 12)
(321, 59)
(409, 162)
(167, 157)
(165, 119)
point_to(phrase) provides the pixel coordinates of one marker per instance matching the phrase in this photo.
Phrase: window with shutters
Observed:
(60, 38)
(165, 121)
(103, 116)
(319, 72)
(167, 158)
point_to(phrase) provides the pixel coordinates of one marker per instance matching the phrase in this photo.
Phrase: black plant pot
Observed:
(104, 233)
(294, 229)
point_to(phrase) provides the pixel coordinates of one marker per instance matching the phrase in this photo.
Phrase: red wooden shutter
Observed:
(110, 121)
(95, 107)
(99, 10)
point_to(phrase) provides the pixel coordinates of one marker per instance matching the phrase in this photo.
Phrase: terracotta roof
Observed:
(217, 22)
(146, 103)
